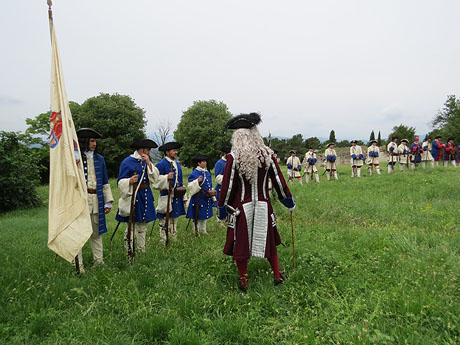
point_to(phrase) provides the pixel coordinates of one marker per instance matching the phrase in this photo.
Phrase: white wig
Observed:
(250, 152)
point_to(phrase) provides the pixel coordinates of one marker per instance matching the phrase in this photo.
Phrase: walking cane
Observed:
(114, 232)
(293, 242)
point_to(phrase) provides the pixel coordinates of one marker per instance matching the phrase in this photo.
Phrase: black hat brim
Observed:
(170, 146)
(83, 133)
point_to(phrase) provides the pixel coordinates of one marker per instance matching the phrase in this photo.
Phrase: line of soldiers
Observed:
(406, 156)
(136, 176)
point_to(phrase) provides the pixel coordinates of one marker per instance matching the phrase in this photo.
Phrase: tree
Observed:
(379, 140)
(19, 173)
(402, 132)
(162, 135)
(447, 120)
(343, 143)
(372, 137)
(201, 130)
(332, 137)
(118, 119)
(313, 142)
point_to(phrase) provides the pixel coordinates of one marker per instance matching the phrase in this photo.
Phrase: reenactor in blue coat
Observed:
(137, 171)
(170, 181)
(99, 193)
(219, 168)
(202, 195)
(416, 153)
(436, 149)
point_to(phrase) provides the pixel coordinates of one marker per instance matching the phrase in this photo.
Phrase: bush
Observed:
(19, 174)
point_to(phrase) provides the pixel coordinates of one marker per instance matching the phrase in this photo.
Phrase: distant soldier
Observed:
(436, 149)
(170, 173)
(356, 154)
(373, 152)
(404, 152)
(450, 153)
(426, 154)
(99, 193)
(202, 195)
(393, 154)
(331, 157)
(294, 167)
(310, 165)
(416, 151)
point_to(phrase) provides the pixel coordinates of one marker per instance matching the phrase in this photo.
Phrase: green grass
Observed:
(378, 262)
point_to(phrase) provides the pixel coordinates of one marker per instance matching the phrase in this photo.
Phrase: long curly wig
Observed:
(250, 152)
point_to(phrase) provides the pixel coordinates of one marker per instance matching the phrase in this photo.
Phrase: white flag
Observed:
(69, 224)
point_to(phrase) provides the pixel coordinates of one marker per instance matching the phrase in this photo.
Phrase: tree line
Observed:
(24, 157)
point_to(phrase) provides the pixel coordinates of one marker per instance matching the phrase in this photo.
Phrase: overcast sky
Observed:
(306, 66)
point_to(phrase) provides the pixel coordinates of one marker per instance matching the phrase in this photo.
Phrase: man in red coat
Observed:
(244, 199)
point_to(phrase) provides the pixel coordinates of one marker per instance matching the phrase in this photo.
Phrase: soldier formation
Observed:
(404, 155)
(241, 195)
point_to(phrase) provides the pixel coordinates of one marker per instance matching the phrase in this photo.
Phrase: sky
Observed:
(307, 66)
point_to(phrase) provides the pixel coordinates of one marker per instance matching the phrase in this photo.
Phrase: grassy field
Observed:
(378, 262)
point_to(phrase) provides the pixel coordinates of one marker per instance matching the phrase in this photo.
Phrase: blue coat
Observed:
(178, 209)
(219, 170)
(101, 179)
(144, 209)
(436, 148)
(416, 155)
(205, 204)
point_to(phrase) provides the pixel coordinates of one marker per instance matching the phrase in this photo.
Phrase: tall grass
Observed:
(377, 263)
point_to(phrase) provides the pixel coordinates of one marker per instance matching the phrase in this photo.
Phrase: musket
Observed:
(131, 251)
(167, 211)
(197, 209)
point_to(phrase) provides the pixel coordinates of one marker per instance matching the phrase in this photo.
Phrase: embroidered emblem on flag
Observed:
(56, 128)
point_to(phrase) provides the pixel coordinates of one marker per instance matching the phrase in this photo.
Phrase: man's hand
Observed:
(200, 179)
(170, 175)
(133, 179)
(107, 210)
(145, 157)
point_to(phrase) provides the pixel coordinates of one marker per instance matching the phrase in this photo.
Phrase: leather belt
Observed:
(92, 191)
(143, 185)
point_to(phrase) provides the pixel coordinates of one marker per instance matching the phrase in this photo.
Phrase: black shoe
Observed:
(243, 283)
(279, 281)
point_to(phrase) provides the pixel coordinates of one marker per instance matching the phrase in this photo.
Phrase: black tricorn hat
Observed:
(373, 141)
(172, 145)
(331, 143)
(438, 137)
(243, 121)
(354, 141)
(293, 151)
(405, 141)
(83, 133)
(226, 149)
(200, 158)
(450, 139)
(393, 138)
(144, 144)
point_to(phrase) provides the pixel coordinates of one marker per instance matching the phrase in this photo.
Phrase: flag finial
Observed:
(50, 11)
